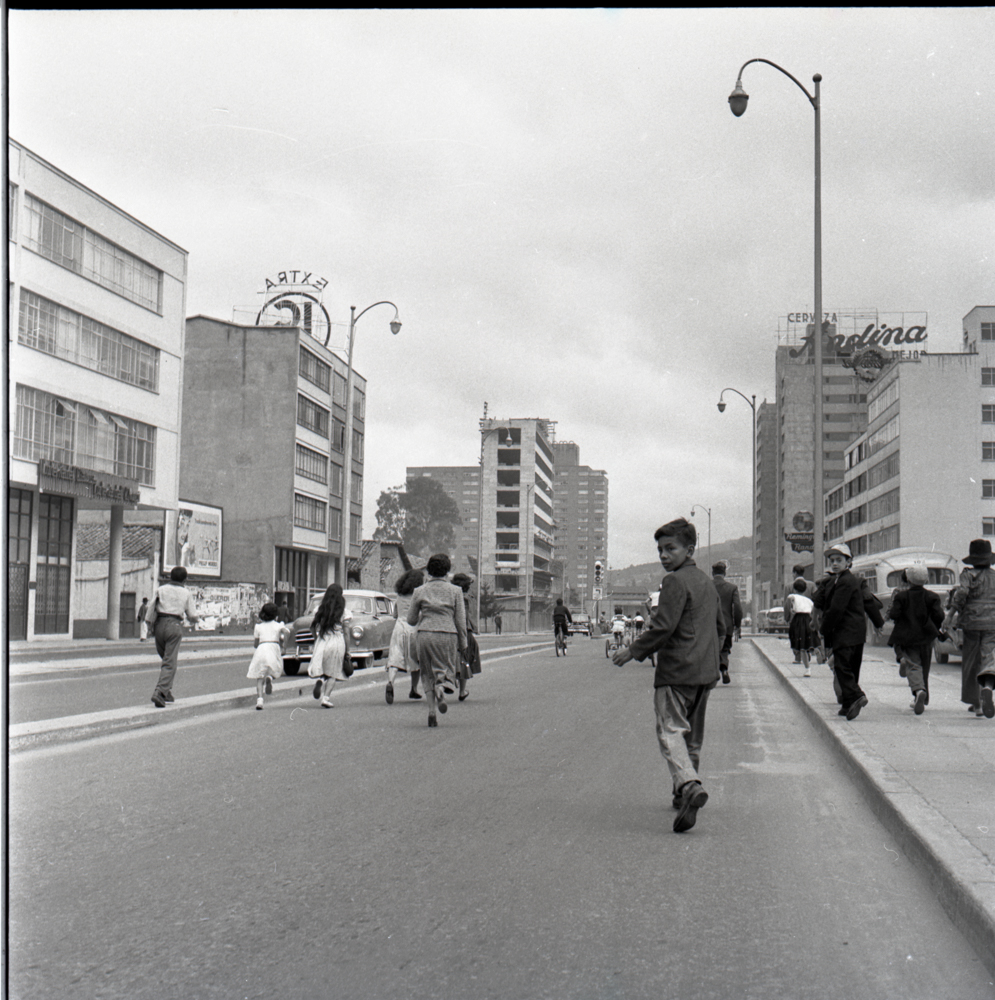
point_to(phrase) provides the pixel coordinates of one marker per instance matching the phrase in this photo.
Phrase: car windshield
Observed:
(359, 605)
(582, 618)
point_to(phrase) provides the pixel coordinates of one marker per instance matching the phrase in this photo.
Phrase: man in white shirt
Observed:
(172, 601)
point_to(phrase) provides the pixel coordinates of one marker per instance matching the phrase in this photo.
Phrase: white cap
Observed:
(841, 548)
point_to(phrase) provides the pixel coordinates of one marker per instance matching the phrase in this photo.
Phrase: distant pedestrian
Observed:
(171, 602)
(973, 608)
(403, 654)
(733, 612)
(437, 609)
(497, 623)
(282, 612)
(840, 597)
(685, 632)
(918, 617)
(331, 644)
(267, 660)
(469, 665)
(143, 628)
(798, 614)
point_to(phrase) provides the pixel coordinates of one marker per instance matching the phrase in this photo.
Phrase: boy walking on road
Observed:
(918, 616)
(686, 632)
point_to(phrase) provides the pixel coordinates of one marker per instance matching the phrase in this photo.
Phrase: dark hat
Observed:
(980, 553)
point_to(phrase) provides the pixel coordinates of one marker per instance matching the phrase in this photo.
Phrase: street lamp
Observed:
(752, 401)
(708, 511)
(737, 103)
(395, 326)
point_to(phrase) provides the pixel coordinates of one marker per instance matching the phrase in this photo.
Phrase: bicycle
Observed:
(560, 641)
(615, 641)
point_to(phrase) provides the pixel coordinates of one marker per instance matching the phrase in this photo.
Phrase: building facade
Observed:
(767, 542)
(922, 474)
(580, 512)
(96, 343)
(462, 486)
(263, 438)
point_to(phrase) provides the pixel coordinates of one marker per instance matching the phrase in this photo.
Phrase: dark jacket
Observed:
(685, 631)
(729, 599)
(846, 603)
(917, 614)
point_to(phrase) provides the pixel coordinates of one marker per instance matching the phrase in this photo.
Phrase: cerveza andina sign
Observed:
(872, 336)
(70, 480)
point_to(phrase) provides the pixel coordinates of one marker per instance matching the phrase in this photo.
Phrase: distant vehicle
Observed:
(772, 621)
(581, 624)
(373, 618)
(883, 572)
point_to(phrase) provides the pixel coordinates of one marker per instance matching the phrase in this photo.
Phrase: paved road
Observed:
(521, 850)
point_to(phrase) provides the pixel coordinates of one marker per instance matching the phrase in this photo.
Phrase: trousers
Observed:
(976, 662)
(846, 666)
(918, 660)
(680, 729)
(168, 633)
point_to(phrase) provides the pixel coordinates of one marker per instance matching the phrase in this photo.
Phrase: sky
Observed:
(569, 218)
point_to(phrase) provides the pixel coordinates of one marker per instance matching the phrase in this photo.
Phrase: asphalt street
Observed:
(521, 850)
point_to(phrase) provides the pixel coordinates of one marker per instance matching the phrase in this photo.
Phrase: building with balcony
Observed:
(96, 342)
(922, 473)
(462, 486)
(580, 512)
(263, 437)
(767, 540)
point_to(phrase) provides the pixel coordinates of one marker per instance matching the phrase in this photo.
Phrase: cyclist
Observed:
(618, 628)
(637, 624)
(561, 616)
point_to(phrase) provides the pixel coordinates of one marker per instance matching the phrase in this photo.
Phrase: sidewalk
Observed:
(930, 779)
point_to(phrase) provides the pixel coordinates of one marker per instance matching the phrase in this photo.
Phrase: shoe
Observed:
(725, 677)
(318, 684)
(259, 704)
(842, 711)
(433, 722)
(808, 673)
(389, 693)
(168, 697)
(903, 667)
(158, 702)
(987, 703)
(677, 799)
(464, 696)
(448, 689)
(414, 694)
(325, 703)
(693, 798)
(973, 708)
(443, 707)
(269, 685)
(854, 710)
(979, 714)
(919, 705)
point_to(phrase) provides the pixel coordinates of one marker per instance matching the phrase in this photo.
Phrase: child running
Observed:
(331, 644)
(267, 660)
(798, 610)
(402, 654)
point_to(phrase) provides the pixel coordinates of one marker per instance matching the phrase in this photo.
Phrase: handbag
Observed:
(153, 612)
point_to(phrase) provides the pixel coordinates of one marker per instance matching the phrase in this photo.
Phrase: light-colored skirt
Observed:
(403, 654)
(327, 656)
(267, 661)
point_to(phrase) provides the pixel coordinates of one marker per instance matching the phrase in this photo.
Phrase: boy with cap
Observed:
(686, 632)
(918, 616)
(840, 598)
(974, 603)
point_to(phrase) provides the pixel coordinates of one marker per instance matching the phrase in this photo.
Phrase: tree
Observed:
(488, 603)
(422, 515)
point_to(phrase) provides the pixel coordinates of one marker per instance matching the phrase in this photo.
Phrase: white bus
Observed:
(883, 572)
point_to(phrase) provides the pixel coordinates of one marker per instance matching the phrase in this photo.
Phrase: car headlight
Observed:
(356, 632)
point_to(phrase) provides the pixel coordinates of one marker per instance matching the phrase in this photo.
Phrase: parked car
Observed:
(373, 618)
(581, 625)
(772, 621)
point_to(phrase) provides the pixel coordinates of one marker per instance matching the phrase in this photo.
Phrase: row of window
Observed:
(874, 442)
(876, 541)
(317, 418)
(881, 403)
(71, 245)
(53, 329)
(61, 430)
(321, 374)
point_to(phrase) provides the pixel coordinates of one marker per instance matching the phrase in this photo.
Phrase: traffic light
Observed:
(597, 573)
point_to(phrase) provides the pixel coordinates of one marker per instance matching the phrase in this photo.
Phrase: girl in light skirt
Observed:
(402, 654)
(267, 660)
(331, 645)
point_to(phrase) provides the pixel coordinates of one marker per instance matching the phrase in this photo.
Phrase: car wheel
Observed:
(291, 667)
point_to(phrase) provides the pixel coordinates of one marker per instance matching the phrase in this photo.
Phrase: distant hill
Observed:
(646, 576)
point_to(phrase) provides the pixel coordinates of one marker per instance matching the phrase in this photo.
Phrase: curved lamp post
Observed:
(395, 326)
(737, 103)
(752, 402)
(708, 511)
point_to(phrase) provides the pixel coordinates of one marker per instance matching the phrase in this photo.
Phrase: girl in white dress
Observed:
(402, 654)
(267, 660)
(330, 644)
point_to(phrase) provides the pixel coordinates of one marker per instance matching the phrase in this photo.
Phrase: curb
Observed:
(955, 870)
(68, 729)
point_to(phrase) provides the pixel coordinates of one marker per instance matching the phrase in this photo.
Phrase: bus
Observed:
(883, 572)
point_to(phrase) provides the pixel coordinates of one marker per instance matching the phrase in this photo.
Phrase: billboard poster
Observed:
(192, 539)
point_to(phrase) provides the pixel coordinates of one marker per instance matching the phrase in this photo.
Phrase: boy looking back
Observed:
(686, 633)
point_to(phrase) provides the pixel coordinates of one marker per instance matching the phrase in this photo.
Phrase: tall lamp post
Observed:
(708, 511)
(395, 326)
(737, 103)
(752, 401)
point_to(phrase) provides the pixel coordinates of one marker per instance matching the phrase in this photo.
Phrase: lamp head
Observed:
(395, 326)
(721, 406)
(738, 99)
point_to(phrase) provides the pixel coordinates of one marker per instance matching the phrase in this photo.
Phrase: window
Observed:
(338, 389)
(50, 427)
(988, 413)
(336, 485)
(856, 486)
(358, 403)
(883, 505)
(988, 451)
(73, 246)
(355, 529)
(357, 443)
(988, 489)
(312, 416)
(315, 370)
(311, 464)
(53, 329)
(879, 541)
(309, 513)
(988, 331)
(988, 526)
(338, 434)
(856, 516)
(988, 376)
(334, 525)
(883, 400)
(882, 436)
(883, 471)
